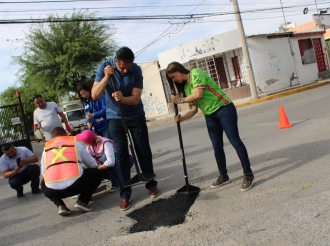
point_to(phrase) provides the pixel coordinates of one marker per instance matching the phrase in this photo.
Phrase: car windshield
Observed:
(75, 115)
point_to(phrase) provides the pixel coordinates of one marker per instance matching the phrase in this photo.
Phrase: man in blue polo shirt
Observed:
(129, 80)
(16, 165)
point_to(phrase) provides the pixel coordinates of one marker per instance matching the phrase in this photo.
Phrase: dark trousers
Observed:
(139, 132)
(85, 186)
(31, 173)
(225, 120)
(111, 172)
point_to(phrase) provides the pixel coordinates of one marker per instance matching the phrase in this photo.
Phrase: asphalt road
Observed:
(288, 204)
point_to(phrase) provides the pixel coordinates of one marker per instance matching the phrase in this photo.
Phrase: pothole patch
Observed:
(163, 212)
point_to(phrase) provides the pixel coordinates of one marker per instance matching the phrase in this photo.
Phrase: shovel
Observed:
(139, 177)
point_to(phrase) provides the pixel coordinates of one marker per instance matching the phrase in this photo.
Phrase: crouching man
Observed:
(16, 165)
(64, 176)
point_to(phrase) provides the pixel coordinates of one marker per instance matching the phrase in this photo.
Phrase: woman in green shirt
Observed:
(201, 91)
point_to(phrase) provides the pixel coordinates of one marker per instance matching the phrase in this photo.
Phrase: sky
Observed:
(149, 27)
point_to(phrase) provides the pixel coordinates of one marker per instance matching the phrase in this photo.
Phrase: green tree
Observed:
(63, 53)
(59, 55)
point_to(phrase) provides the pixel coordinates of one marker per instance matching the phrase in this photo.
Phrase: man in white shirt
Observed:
(64, 176)
(46, 116)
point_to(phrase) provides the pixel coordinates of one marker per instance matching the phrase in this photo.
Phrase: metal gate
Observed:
(13, 126)
(319, 54)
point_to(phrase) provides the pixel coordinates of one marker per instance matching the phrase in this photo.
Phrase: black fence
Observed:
(13, 126)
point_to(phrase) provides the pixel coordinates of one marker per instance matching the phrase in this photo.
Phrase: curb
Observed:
(282, 94)
(169, 118)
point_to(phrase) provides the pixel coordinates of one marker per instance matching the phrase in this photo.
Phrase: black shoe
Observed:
(38, 191)
(20, 194)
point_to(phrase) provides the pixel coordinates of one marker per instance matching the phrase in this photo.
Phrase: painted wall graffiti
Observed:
(152, 105)
(197, 48)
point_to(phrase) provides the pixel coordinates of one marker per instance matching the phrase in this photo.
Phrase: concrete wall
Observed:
(271, 56)
(200, 49)
(307, 72)
(273, 63)
(153, 96)
(322, 19)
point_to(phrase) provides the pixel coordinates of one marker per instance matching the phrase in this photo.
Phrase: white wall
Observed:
(323, 19)
(308, 72)
(153, 96)
(200, 48)
(273, 63)
(272, 59)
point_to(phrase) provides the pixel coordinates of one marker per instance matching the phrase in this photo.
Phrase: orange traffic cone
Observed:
(284, 122)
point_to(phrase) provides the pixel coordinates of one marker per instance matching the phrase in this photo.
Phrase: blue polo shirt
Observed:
(125, 83)
(9, 164)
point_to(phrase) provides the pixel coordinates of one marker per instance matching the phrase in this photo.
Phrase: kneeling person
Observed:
(16, 165)
(64, 176)
(102, 150)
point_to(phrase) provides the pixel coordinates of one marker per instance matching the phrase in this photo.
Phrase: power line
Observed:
(147, 17)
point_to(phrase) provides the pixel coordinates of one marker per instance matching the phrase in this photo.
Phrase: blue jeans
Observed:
(105, 133)
(110, 173)
(139, 132)
(225, 119)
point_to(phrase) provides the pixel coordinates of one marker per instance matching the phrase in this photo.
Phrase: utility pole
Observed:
(246, 54)
(286, 24)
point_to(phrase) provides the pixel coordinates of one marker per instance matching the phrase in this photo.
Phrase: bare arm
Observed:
(99, 87)
(134, 99)
(64, 119)
(197, 94)
(12, 173)
(192, 111)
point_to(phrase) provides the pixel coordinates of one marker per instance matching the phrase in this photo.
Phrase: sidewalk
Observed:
(155, 121)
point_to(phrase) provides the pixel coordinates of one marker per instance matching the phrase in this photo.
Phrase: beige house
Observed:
(153, 95)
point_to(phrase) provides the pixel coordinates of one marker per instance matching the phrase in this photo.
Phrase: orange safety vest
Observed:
(61, 159)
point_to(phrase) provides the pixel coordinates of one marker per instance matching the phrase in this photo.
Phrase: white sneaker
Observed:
(63, 210)
(114, 189)
(83, 206)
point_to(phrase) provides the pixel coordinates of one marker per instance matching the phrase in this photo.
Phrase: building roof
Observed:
(274, 34)
(309, 32)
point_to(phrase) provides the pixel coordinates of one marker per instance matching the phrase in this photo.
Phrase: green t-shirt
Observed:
(213, 96)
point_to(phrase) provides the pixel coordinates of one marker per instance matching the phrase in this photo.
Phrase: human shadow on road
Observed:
(291, 158)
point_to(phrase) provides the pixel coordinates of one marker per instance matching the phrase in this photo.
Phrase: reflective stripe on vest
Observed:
(61, 159)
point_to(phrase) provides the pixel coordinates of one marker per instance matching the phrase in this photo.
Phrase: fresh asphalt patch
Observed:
(163, 212)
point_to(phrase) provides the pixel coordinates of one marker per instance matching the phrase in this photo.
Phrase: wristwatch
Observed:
(181, 100)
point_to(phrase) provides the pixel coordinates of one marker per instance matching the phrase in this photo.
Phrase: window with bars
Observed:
(237, 69)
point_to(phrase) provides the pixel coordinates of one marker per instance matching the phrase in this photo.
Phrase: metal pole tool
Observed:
(139, 177)
(188, 189)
